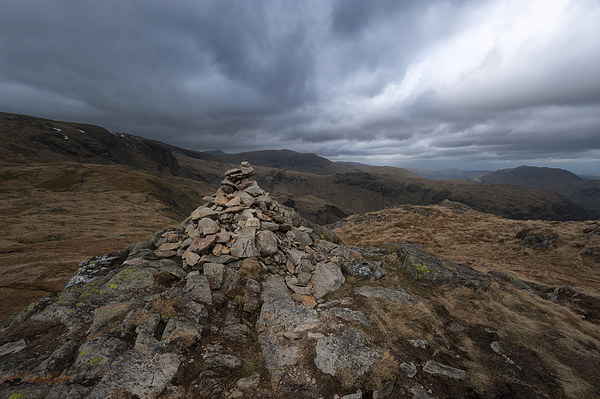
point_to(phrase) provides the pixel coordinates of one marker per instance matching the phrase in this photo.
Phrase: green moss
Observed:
(94, 361)
(82, 353)
(422, 270)
(19, 395)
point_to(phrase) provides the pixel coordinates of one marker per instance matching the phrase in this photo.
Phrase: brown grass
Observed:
(484, 242)
(54, 215)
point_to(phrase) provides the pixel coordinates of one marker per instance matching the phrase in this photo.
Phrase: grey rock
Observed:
(357, 395)
(302, 237)
(304, 278)
(296, 256)
(202, 212)
(71, 391)
(419, 393)
(429, 269)
(254, 191)
(326, 278)
(266, 242)
(350, 350)
(498, 349)
(436, 368)
(24, 391)
(94, 357)
(115, 311)
(215, 273)
(13, 347)
(349, 315)
(208, 226)
(168, 266)
(292, 283)
(221, 360)
(363, 269)
(58, 360)
(180, 328)
(387, 294)
(197, 288)
(244, 246)
(249, 382)
(409, 368)
(140, 374)
(270, 226)
(236, 332)
(278, 355)
(131, 279)
(279, 311)
(386, 391)
(253, 286)
(455, 327)
(419, 343)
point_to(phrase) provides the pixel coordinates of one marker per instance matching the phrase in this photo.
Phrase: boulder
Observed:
(349, 350)
(326, 278)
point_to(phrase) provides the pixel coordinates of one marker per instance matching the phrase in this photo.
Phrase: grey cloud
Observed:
(388, 82)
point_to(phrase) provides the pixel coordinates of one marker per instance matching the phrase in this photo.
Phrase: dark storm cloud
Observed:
(387, 82)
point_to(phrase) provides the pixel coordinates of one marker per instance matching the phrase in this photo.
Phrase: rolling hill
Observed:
(585, 192)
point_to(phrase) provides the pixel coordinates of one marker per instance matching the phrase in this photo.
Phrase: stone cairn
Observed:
(236, 290)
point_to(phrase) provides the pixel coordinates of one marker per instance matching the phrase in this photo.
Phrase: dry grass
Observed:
(484, 242)
(53, 216)
(554, 350)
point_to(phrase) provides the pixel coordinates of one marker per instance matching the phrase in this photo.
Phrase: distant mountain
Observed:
(304, 162)
(449, 173)
(322, 190)
(585, 192)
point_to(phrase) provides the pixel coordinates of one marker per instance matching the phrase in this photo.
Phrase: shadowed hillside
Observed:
(585, 192)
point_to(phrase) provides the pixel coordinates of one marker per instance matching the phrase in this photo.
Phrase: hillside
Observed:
(321, 190)
(585, 192)
(99, 190)
(55, 214)
(450, 173)
(247, 299)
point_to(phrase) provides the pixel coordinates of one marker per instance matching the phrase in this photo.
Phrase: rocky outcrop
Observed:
(432, 270)
(240, 269)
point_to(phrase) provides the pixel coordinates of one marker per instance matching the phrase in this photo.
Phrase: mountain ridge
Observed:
(28, 138)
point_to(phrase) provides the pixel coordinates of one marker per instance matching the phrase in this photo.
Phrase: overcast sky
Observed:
(431, 84)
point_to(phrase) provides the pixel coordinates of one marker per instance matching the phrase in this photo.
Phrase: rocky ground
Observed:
(246, 299)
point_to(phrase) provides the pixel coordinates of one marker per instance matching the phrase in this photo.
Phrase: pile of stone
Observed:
(242, 221)
(166, 317)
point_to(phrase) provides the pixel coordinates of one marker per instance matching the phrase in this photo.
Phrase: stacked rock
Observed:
(242, 221)
(241, 269)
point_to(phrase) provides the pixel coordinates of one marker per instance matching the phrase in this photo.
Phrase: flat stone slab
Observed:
(349, 315)
(139, 374)
(349, 350)
(280, 312)
(436, 368)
